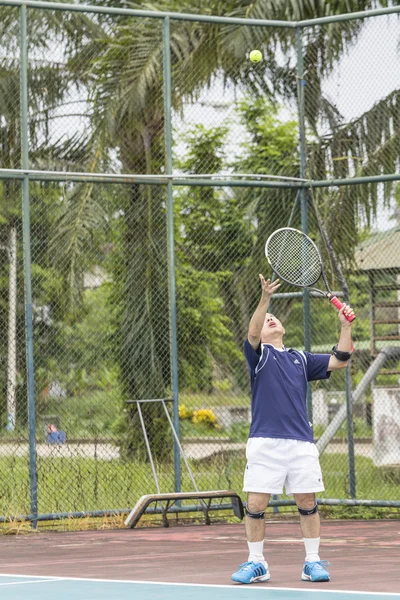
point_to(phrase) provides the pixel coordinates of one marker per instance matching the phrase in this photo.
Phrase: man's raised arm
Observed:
(344, 347)
(258, 318)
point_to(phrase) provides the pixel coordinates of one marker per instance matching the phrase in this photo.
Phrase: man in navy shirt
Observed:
(280, 450)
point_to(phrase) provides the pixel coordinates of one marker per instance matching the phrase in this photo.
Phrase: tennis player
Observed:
(280, 450)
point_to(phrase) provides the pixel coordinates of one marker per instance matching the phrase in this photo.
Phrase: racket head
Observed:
(294, 257)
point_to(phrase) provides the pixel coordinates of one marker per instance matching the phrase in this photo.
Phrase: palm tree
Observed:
(48, 89)
(10, 144)
(129, 113)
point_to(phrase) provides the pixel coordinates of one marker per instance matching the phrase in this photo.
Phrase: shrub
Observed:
(184, 412)
(204, 416)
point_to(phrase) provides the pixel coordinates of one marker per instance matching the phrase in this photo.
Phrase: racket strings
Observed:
(294, 257)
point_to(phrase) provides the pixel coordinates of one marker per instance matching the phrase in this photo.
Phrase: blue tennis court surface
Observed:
(13, 586)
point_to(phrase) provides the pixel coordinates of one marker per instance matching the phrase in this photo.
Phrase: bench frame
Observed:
(173, 501)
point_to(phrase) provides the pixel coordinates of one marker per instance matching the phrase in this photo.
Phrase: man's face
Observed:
(272, 330)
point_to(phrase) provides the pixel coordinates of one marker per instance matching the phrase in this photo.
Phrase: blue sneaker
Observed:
(251, 572)
(315, 571)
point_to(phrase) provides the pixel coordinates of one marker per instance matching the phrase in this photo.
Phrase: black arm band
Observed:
(343, 356)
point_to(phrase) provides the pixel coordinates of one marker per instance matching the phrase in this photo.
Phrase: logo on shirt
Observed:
(296, 362)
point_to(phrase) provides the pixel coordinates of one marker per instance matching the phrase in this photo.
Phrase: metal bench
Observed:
(171, 504)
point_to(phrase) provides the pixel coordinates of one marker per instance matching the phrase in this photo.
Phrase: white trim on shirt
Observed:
(258, 367)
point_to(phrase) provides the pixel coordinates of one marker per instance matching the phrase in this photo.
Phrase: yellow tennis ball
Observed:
(255, 56)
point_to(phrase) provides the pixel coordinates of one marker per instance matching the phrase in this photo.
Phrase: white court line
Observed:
(44, 577)
(28, 582)
(209, 585)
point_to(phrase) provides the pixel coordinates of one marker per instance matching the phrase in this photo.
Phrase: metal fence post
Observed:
(171, 246)
(350, 426)
(350, 434)
(303, 195)
(27, 264)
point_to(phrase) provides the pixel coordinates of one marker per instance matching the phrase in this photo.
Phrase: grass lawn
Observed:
(360, 428)
(93, 415)
(86, 417)
(204, 400)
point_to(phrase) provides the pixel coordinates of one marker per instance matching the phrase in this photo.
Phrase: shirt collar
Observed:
(283, 349)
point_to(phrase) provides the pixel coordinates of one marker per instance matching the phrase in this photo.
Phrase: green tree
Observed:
(272, 147)
(213, 241)
(129, 119)
(48, 84)
(41, 79)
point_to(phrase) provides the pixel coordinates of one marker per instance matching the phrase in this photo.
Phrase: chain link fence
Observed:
(143, 290)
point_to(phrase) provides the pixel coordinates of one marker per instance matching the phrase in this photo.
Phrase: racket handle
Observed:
(339, 305)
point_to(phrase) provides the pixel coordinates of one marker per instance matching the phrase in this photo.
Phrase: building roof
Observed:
(380, 251)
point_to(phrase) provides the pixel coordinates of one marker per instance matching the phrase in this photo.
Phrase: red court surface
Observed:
(364, 556)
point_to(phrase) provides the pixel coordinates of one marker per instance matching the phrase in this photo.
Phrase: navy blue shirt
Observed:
(279, 390)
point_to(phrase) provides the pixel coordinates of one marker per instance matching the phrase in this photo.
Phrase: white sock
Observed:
(312, 548)
(256, 552)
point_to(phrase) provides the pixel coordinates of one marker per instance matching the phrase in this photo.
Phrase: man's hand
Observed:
(345, 343)
(267, 288)
(346, 310)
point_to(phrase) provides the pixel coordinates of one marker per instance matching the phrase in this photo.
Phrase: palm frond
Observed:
(368, 145)
(73, 247)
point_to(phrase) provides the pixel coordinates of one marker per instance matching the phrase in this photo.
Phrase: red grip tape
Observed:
(336, 302)
(339, 306)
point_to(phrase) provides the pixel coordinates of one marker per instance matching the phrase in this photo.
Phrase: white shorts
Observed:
(273, 463)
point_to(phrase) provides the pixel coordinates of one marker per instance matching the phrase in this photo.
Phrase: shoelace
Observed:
(246, 566)
(320, 564)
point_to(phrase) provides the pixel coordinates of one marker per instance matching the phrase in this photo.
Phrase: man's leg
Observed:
(310, 523)
(311, 527)
(256, 568)
(255, 524)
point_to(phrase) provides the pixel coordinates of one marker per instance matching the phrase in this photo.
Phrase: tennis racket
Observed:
(295, 258)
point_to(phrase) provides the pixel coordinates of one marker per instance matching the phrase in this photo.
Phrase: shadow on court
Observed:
(364, 557)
